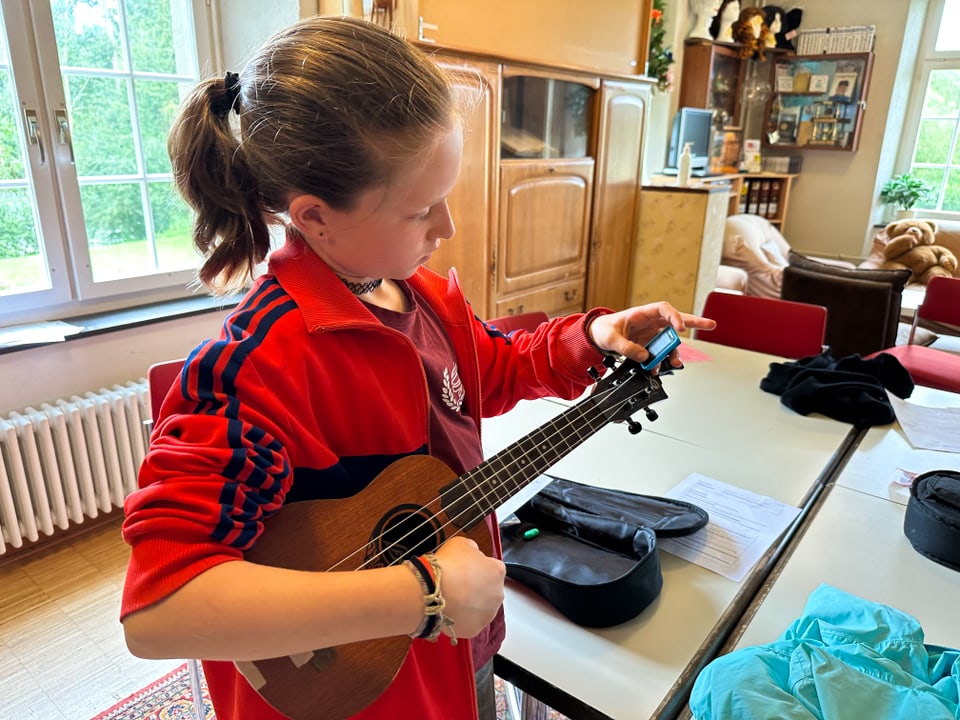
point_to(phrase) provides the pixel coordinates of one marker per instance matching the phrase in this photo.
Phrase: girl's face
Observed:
(393, 229)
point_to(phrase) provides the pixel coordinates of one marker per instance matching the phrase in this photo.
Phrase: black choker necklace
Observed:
(361, 288)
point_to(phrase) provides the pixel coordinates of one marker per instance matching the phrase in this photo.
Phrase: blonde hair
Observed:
(330, 106)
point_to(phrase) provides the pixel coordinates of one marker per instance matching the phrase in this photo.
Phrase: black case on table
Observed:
(594, 556)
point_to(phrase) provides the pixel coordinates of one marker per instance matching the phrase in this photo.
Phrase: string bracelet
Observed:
(426, 569)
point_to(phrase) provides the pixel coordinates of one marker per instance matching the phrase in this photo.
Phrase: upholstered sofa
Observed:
(751, 243)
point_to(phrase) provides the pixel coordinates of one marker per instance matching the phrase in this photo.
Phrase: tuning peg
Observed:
(633, 426)
(610, 361)
(651, 414)
(667, 369)
(593, 372)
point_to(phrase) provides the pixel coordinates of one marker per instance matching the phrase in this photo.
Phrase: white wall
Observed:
(42, 374)
(834, 201)
(833, 204)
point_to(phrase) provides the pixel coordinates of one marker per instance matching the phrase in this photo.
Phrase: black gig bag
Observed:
(592, 552)
(932, 519)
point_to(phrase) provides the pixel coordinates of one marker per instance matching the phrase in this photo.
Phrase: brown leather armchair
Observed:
(863, 306)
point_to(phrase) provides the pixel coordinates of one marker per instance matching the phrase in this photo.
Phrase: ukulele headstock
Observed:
(627, 389)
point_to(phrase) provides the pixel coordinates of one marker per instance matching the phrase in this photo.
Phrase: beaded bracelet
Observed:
(426, 568)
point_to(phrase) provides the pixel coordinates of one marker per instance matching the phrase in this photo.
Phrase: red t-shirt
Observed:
(454, 436)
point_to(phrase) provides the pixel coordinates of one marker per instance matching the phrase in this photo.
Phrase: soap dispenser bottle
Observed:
(683, 166)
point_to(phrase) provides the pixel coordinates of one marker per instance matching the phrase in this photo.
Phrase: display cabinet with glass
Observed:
(818, 101)
(545, 117)
(711, 77)
(546, 187)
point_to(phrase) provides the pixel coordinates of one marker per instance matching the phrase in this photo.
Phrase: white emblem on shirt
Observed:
(453, 392)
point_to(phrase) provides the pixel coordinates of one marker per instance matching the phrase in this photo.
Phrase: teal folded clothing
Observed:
(845, 658)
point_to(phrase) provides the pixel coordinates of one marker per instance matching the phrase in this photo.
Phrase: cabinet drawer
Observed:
(554, 300)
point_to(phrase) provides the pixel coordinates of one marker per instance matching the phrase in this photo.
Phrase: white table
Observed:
(872, 469)
(854, 541)
(717, 422)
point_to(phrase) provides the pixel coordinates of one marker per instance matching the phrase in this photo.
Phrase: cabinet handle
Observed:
(421, 26)
(569, 295)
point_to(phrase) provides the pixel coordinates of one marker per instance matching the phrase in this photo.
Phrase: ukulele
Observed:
(337, 682)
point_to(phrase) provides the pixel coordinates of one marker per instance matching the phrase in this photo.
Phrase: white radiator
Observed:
(69, 460)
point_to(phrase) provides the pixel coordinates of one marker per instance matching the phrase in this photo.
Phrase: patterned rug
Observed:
(169, 698)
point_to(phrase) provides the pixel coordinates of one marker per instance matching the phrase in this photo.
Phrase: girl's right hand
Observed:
(471, 583)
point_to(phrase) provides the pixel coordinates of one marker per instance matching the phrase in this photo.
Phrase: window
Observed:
(935, 155)
(89, 217)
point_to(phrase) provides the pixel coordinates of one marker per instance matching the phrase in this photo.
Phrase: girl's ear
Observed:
(308, 214)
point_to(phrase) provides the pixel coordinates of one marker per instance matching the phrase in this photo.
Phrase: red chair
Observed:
(524, 321)
(160, 378)
(768, 325)
(928, 366)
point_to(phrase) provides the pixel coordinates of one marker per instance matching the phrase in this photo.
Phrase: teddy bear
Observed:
(911, 246)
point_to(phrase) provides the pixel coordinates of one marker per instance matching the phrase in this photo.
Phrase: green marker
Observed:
(530, 534)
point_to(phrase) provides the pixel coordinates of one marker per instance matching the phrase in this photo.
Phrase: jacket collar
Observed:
(326, 303)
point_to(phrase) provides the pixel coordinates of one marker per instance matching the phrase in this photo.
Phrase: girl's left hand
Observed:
(626, 332)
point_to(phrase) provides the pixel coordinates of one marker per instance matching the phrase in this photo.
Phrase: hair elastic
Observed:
(221, 107)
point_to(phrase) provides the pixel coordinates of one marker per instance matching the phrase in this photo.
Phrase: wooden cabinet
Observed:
(473, 202)
(621, 127)
(817, 101)
(610, 36)
(763, 194)
(679, 244)
(546, 203)
(711, 77)
(544, 227)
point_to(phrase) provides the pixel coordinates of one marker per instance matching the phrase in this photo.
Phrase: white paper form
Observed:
(742, 526)
(928, 428)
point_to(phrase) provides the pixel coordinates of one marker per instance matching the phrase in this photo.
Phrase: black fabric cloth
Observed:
(851, 389)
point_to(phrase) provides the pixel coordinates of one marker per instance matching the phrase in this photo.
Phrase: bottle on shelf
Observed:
(683, 166)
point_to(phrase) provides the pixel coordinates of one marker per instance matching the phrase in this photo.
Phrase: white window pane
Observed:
(948, 39)
(173, 227)
(102, 126)
(89, 34)
(120, 114)
(23, 265)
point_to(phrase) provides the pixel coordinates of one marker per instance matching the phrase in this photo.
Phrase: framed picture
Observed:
(819, 83)
(784, 83)
(844, 84)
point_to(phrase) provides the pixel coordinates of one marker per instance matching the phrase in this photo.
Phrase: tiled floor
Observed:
(62, 655)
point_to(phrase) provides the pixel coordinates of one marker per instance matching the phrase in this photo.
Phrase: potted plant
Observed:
(905, 191)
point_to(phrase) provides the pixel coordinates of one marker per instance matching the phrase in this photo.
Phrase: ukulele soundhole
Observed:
(405, 531)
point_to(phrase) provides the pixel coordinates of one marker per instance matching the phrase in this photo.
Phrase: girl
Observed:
(344, 357)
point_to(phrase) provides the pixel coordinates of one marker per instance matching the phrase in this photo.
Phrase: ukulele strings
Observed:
(483, 502)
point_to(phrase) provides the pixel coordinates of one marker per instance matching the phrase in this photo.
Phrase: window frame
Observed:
(38, 85)
(928, 60)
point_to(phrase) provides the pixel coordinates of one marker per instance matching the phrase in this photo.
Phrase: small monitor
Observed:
(695, 126)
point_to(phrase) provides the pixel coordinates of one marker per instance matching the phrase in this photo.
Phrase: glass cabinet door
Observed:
(545, 118)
